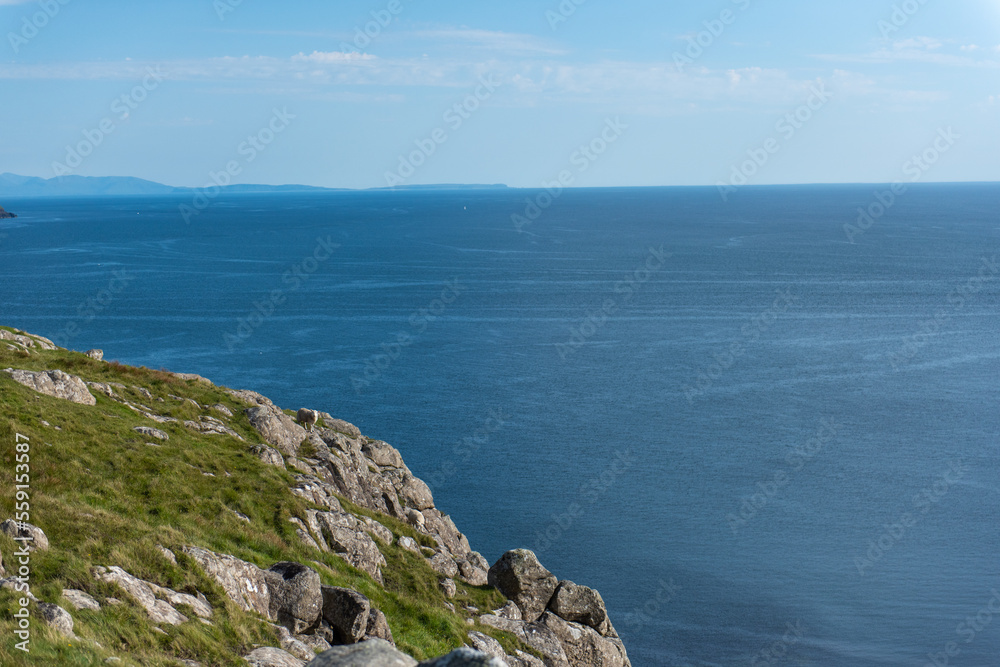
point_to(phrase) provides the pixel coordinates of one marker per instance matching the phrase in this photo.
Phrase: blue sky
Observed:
(881, 87)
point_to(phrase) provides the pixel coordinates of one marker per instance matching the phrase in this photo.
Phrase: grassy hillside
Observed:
(105, 497)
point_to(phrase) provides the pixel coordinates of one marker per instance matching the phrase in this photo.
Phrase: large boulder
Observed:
(57, 618)
(378, 627)
(347, 612)
(579, 604)
(372, 653)
(465, 657)
(584, 646)
(522, 579)
(243, 582)
(277, 428)
(296, 600)
(26, 534)
(272, 657)
(56, 384)
(348, 539)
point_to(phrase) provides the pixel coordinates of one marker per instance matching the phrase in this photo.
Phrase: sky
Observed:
(361, 94)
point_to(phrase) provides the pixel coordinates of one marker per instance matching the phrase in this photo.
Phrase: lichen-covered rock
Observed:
(579, 604)
(54, 383)
(272, 657)
(296, 600)
(80, 600)
(378, 627)
(465, 657)
(243, 582)
(97, 355)
(584, 646)
(522, 579)
(158, 610)
(151, 432)
(486, 644)
(57, 618)
(347, 613)
(277, 428)
(372, 653)
(25, 533)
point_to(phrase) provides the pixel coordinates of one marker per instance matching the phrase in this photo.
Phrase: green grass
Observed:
(105, 497)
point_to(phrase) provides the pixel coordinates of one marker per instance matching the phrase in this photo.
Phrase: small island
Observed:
(4, 214)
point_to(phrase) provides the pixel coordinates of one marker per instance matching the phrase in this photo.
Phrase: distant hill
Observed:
(13, 185)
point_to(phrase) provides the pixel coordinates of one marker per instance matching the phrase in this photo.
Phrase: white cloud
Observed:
(331, 57)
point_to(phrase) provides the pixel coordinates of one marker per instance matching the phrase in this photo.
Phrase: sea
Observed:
(766, 429)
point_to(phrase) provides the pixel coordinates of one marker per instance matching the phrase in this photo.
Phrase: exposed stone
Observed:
(375, 529)
(486, 644)
(97, 355)
(277, 428)
(347, 613)
(315, 643)
(410, 544)
(294, 645)
(383, 454)
(25, 534)
(372, 653)
(54, 383)
(243, 582)
(522, 659)
(340, 425)
(212, 426)
(158, 610)
(272, 657)
(151, 432)
(296, 600)
(465, 657)
(200, 606)
(584, 646)
(192, 377)
(522, 579)
(222, 410)
(579, 604)
(347, 539)
(378, 627)
(449, 588)
(470, 572)
(510, 611)
(57, 618)
(536, 635)
(105, 389)
(444, 564)
(167, 553)
(80, 600)
(268, 455)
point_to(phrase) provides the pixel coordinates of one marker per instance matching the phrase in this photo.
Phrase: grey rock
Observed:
(378, 627)
(522, 659)
(54, 383)
(535, 635)
(316, 643)
(277, 428)
(272, 657)
(200, 606)
(296, 599)
(443, 563)
(579, 604)
(347, 612)
(471, 573)
(465, 657)
(25, 533)
(449, 588)
(222, 410)
(522, 579)
(80, 600)
(383, 454)
(486, 644)
(158, 610)
(375, 529)
(343, 533)
(294, 645)
(584, 646)
(372, 653)
(268, 455)
(340, 425)
(167, 553)
(243, 582)
(57, 618)
(95, 354)
(410, 544)
(251, 398)
(151, 432)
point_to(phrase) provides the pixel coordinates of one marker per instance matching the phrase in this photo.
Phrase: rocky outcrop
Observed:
(296, 600)
(523, 580)
(25, 341)
(243, 582)
(25, 533)
(277, 428)
(147, 594)
(80, 600)
(54, 383)
(4, 215)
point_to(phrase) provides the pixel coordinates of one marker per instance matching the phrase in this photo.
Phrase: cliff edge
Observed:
(169, 521)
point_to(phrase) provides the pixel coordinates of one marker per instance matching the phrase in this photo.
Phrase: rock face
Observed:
(277, 428)
(372, 653)
(25, 533)
(296, 600)
(522, 579)
(56, 384)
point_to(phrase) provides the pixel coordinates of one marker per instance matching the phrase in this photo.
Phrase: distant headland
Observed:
(12, 185)
(6, 214)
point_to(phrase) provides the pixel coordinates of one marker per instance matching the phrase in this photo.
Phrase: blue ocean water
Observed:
(763, 443)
